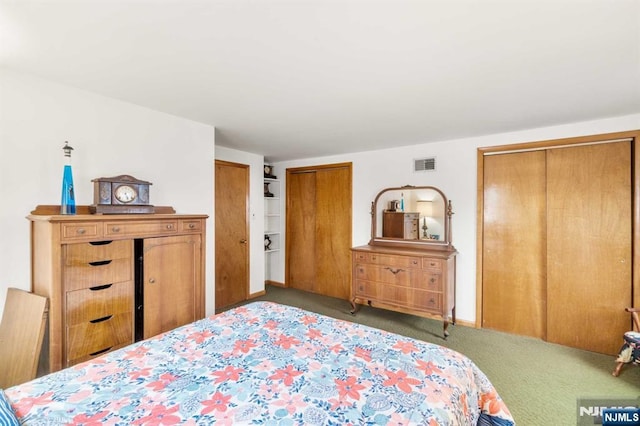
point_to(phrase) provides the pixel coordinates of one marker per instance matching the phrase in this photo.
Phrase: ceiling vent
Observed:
(424, 164)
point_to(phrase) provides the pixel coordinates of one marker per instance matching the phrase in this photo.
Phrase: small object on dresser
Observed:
(267, 193)
(267, 242)
(122, 194)
(68, 202)
(268, 172)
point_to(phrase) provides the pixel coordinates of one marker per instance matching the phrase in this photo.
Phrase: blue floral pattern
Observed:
(267, 364)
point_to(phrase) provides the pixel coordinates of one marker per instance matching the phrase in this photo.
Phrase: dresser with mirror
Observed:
(409, 264)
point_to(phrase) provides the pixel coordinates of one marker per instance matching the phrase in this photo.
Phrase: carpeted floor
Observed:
(540, 382)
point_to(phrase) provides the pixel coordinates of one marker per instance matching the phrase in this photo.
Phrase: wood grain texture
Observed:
(232, 233)
(589, 245)
(514, 244)
(21, 334)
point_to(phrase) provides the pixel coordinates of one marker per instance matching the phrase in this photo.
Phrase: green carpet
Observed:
(539, 381)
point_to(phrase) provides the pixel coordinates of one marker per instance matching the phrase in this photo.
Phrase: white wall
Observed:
(455, 175)
(109, 138)
(256, 212)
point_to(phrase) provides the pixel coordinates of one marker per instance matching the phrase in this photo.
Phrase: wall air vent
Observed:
(424, 164)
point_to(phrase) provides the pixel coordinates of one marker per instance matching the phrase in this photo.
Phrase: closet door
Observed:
(514, 243)
(589, 245)
(318, 234)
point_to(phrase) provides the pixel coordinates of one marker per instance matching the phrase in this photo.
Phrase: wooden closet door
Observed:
(589, 245)
(514, 243)
(318, 234)
(301, 231)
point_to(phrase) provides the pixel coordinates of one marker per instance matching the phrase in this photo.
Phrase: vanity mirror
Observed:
(409, 264)
(411, 216)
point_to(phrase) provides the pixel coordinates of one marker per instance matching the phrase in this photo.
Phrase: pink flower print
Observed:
(217, 402)
(365, 354)
(265, 365)
(271, 324)
(308, 319)
(165, 379)
(286, 375)
(286, 341)
(200, 336)
(136, 374)
(398, 419)
(268, 391)
(314, 333)
(244, 346)
(160, 415)
(290, 402)
(229, 373)
(429, 367)
(85, 420)
(137, 352)
(349, 388)
(23, 406)
(405, 347)
(400, 380)
(224, 418)
(339, 403)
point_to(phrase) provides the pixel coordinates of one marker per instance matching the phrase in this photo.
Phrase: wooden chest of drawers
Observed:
(400, 225)
(108, 280)
(415, 281)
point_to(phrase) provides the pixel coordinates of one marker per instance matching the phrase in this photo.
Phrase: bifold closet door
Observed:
(589, 245)
(514, 243)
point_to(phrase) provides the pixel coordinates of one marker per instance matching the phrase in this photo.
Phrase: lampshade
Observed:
(425, 208)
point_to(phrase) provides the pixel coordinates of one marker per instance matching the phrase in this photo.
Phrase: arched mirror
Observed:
(411, 216)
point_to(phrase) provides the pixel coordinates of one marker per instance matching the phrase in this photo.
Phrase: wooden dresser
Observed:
(400, 225)
(115, 279)
(414, 281)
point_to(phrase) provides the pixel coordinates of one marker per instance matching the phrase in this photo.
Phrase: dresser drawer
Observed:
(80, 231)
(397, 261)
(432, 281)
(97, 274)
(146, 228)
(98, 302)
(365, 289)
(85, 253)
(90, 339)
(361, 257)
(432, 264)
(422, 300)
(191, 225)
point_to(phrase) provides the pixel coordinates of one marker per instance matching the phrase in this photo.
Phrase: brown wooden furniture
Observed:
(115, 279)
(632, 340)
(21, 333)
(406, 274)
(318, 229)
(400, 225)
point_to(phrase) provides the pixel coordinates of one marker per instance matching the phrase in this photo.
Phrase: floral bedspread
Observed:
(267, 364)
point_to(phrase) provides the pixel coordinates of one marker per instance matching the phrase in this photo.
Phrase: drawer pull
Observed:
(81, 231)
(115, 229)
(192, 225)
(100, 262)
(100, 243)
(100, 287)
(170, 226)
(393, 271)
(95, 321)
(101, 351)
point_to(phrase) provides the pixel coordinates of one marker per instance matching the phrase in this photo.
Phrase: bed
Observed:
(269, 364)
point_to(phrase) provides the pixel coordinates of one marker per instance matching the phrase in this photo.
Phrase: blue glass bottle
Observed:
(68, 202)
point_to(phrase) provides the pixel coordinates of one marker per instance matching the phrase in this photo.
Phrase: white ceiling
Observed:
(306, 78)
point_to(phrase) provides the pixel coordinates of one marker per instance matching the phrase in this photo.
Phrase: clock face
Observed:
(125, 194)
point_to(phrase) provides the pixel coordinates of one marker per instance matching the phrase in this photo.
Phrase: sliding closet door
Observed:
(514, 243)
(301, 230)
(589, 245)
(318, 230)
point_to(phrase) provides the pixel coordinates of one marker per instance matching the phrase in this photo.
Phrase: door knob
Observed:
(243, 241)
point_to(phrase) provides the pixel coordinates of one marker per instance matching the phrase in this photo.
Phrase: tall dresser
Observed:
(114, 279)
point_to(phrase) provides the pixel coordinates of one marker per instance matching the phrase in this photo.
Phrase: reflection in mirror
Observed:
(411, 214)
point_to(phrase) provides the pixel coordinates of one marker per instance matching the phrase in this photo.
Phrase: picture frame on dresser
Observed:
(401, 268)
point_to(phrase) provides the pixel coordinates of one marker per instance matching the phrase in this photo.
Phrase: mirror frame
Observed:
(444, 244)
